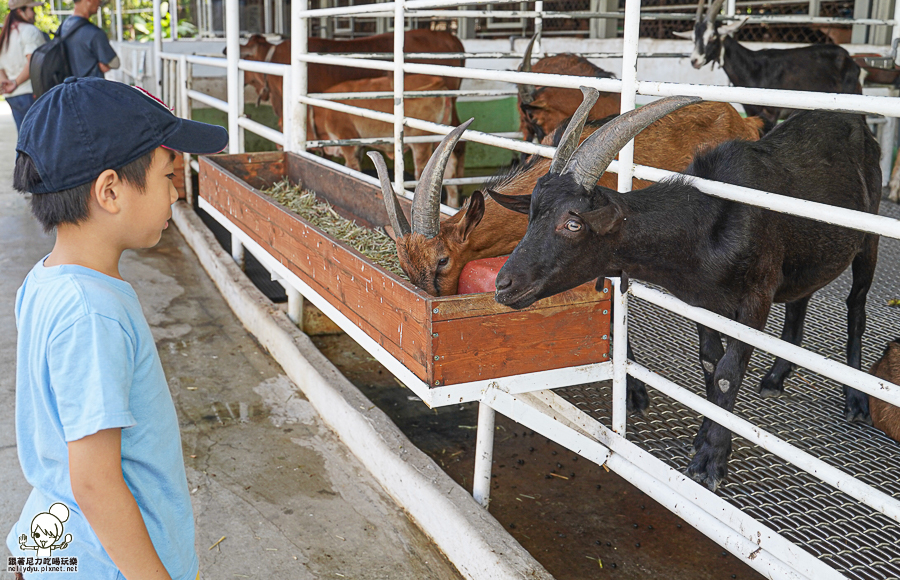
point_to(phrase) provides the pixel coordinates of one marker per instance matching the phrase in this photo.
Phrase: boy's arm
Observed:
(95, 468)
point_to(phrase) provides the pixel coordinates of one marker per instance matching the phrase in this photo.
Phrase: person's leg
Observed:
(20, 106)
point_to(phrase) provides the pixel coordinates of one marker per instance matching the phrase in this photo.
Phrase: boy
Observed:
(96, 427)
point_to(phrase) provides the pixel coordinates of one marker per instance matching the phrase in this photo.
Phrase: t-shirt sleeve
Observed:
(31, 39)
(101, 48)
(91, 367)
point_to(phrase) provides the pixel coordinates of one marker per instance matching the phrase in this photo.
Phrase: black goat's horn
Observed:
(526, 92)
(699, 10)
(391, 204)
(569, 140)
(597, 151)
(426, 207)
(714, 8)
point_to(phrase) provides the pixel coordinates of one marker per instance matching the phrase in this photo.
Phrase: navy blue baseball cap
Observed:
(84, 126)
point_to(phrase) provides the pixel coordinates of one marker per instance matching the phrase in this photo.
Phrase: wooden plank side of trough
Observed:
(381, 305)
(258, 170)
(478, 305)
(518, 342)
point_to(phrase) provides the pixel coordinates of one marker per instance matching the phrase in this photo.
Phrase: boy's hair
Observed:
(70, 205)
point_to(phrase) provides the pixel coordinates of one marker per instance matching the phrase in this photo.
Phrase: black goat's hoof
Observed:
(857, 416)
(708, 467)
(767, 392)
(637, 400)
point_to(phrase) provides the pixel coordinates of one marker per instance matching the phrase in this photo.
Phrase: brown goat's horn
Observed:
(569, 140)
(426, 212)
(714, 8)
(526, 92)
(597, 151)
(394, 211)
(699, 10)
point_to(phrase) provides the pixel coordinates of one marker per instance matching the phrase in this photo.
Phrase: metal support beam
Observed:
(484, 455)
(157, 48)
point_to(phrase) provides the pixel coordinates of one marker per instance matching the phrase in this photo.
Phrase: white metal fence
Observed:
(529, 399)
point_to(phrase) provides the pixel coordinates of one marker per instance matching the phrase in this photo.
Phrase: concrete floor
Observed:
(265, 472)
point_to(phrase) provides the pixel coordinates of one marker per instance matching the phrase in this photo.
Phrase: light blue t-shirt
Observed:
(86, 361)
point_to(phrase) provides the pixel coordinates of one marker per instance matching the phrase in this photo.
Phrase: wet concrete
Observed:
(578, 520)
(265, 473)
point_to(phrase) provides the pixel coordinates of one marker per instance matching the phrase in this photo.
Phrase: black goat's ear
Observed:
(517, 203)
(605, 220)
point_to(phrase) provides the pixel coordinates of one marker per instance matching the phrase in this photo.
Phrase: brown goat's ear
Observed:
(516, 203)
(474, 211)
(605, 220)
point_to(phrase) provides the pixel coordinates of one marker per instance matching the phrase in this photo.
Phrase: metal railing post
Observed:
(173, 19)
(629, 86)
(299, 70)
(619, 357)
(184, 111)
(119, 20)
(157, 49)
(235, 145)
(399, 37)
(484, 455)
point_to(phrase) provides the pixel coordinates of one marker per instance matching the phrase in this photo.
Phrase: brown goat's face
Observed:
(435, 264)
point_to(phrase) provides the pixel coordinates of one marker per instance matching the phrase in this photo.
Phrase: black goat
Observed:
(730, 258)
(825, 68)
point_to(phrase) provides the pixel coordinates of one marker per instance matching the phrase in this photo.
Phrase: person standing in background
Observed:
(18, 39)
(90, 54)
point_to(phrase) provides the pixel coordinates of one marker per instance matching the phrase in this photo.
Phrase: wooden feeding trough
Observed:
(442, 340)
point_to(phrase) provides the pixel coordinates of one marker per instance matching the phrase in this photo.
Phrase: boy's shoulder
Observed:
(66, 293)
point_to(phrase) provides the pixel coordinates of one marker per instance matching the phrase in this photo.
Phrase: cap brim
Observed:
(198, 138)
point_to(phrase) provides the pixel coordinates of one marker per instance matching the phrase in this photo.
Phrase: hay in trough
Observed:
(373, 244)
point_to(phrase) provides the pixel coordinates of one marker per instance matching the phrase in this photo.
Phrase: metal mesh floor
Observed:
(849, 536)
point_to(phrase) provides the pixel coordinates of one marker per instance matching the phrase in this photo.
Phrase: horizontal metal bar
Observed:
(269, 68)
(386, 7)
(363, 95)
(208, 100)
(497, 55)
(853, 219)
(272, 135)
(387, 140)
(869, 384)
(549, 427)
(696, 494)
(207, 60)
(867, 494)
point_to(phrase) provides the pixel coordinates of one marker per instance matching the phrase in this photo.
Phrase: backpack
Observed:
(50, 62)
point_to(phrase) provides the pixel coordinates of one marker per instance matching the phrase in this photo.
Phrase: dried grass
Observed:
(373, 244)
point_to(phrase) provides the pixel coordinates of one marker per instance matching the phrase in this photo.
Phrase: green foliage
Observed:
(139, 25)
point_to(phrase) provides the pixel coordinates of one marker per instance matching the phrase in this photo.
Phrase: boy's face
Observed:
(150, 210)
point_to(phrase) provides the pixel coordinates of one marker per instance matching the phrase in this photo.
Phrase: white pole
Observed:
(173, 19)
(399, 36)
(279, 17)
(119, 20)
(629, 85)
(620, 355)
(267, 17)
(295, 306)
(539, 20)
(157, 47)
(730, 7)
(895, 31)
(299, 44)
(184, 110)
(484, 455)
(210, 21)
(232, 43)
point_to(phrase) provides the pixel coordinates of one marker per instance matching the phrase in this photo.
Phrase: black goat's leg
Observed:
(710, 464)
(772, 384)
(856, 403)
(636, 401)
(711, 352)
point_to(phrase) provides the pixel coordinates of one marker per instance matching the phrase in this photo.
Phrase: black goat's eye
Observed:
(443, 262)
(573, 226)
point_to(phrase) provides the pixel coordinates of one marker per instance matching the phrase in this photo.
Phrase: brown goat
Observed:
(483, 229)
(329, 124)
(542, 109)
(884, 415)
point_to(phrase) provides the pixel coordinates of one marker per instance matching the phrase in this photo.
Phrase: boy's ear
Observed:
(106, 190)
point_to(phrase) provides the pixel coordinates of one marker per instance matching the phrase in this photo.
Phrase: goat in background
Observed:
(825, 68)
(727, 257)
(884, 415)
